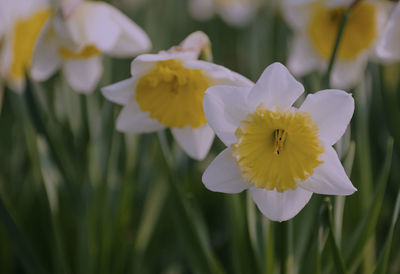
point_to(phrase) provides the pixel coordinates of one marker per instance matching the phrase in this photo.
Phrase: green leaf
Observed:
(365, 229)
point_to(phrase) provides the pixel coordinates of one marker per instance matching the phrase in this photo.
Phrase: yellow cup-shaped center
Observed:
(359, 33)
(277, 148)
(25, 34)
(173, 94)
(86, 52)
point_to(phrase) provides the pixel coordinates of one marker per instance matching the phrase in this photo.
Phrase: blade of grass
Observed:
(384, 258)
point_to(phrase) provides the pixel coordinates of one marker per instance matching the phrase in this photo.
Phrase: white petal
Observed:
(389, 45)
(195, 142)
(201, 9)
(132, 119)
(223, 174)
(237, 14)
(297, 12)
(280, 206)
(302, 58)
(69, 6)
(275, 88)
(219, 75)
(225, 107)
(46, 59)
(348, 74)
(120, 92)
(132, 39)
(83, 74)
(197, 42)
(92, 24)
(329, 178)
(331, 110)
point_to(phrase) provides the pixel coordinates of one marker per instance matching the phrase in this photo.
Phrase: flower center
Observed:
(26, 32)
(86, 52)
(359, 33)
(277, 148)
(173, 94)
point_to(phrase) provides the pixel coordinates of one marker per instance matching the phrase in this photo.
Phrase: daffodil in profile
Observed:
(282, 154)
(388, 47)
(316, 25)
(22, 22)
(234, 12)
(79, 36)
(166, 90)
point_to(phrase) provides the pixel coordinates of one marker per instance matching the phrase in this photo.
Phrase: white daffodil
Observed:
(388, 47)
(316, 24)
(77, 41)
(280, 153)
(167, 90)
(22, 22)
(234, 12)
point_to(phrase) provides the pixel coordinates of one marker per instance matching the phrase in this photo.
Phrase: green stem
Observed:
(326, 78)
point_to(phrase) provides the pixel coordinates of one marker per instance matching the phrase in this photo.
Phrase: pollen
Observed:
(25, 34)
(173, 94)
(359, 33)
(86, 52)
(276, 149)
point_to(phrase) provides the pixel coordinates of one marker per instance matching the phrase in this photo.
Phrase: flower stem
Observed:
(339, 36)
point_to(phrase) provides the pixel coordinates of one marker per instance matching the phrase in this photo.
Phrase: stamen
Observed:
(280, 139)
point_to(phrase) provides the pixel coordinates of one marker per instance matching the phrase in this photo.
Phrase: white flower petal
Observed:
(219, 75)
(69, 6)
(302, 58)
(132, 39)
(275, 88)
(201, 9)
(195, 142)
(225, 107)
(121, 92)
(83, 74)
(297, 12)
(237, 14)
(329, 178)
(132, 119)
(280, 206)
(388, 47)
(223, 174)
(46, 59)
(348, 74)
(92, 24)
(331, 110)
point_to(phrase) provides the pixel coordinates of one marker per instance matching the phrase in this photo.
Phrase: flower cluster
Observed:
(281, 153)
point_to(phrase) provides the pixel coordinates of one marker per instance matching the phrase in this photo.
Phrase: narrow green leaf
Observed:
(353, 253)
(384, 258)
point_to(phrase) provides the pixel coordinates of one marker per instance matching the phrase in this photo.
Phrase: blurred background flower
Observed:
(316, 25)
(77, 41)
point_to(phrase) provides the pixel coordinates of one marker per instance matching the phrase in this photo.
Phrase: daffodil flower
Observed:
(77, 41)
(166, 90)
(234, 12)
(316, 24)
(389, 45)
(22, 22)
(280, 153)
